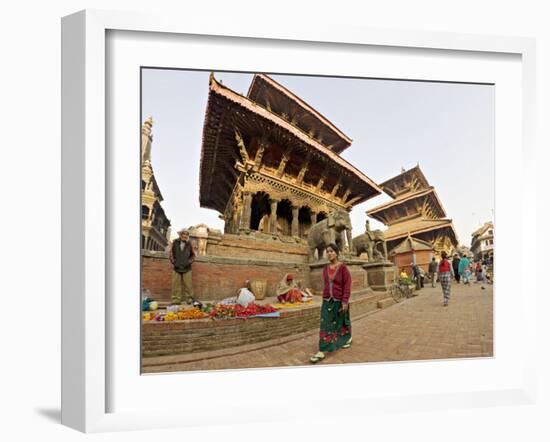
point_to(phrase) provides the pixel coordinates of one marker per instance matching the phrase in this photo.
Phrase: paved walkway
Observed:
(417, 328)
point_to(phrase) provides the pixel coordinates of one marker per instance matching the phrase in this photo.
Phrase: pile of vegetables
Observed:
(405, 281)
(192, 313)
(236, 311)
(218, 311)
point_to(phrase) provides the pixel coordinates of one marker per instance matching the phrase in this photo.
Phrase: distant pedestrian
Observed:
(479, 272)
(456, 261)
(418, 276)
(432, 270)
(464, 269)
(444, 275)
(335, 327)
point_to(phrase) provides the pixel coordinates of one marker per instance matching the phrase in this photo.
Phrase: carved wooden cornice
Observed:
(281, 189)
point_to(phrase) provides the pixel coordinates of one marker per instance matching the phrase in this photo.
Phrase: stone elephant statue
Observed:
(329, 230)
(369, 242)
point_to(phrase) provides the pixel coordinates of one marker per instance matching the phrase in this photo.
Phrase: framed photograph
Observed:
(237, 206)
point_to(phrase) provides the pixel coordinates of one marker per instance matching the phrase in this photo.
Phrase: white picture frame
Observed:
(87, 214)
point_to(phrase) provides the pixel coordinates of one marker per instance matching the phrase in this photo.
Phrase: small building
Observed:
(415, 211)
(483, 243)
(411, 250)
(155, 226)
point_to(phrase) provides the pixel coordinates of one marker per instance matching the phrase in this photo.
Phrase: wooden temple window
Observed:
(144, 212)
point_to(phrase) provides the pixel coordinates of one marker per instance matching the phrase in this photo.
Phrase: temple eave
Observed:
(267, 119)
(402, 235)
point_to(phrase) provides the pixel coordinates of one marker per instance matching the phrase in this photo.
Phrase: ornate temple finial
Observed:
(146, 139)
(402, 169)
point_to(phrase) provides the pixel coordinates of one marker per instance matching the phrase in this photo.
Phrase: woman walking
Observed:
(445, 277)
(335, 330)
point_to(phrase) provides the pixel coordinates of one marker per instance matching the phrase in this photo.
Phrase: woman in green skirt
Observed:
(335, 330)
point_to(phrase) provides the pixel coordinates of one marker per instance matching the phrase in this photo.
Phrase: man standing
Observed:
(432, 269)
(464, 269)
(417, 274)
(456, 261)
(181, 257)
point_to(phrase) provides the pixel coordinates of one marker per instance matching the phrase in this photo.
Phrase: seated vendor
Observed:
(245, 295)
(403, 273)
(288, 291)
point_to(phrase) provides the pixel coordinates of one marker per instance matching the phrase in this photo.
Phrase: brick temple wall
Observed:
(227, 265)
(423, 258)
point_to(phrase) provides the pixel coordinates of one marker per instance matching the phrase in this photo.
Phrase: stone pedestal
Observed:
(380, 275)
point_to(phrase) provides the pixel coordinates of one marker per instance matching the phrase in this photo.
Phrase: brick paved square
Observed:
(418, 328)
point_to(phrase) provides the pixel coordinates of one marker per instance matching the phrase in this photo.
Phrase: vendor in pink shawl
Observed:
(288, 291)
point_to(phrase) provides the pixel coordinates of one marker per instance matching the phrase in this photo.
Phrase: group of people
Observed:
(460, 268)
(335, 323)
(464, 270)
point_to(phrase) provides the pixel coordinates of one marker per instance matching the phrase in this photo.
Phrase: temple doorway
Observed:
(259, 218)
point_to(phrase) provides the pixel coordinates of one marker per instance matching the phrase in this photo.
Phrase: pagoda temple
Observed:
(415, 211)
(270, 163)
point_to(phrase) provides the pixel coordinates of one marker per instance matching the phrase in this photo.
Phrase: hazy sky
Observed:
(446, 128)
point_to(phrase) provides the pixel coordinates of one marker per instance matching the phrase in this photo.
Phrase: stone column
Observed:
(295, 227)
(246, 212)
(313, 218)
(273, 216)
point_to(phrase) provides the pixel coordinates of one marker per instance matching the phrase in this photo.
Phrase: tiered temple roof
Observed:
(279, 100)
(272, 142)
(424, 202)
(415, 210)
